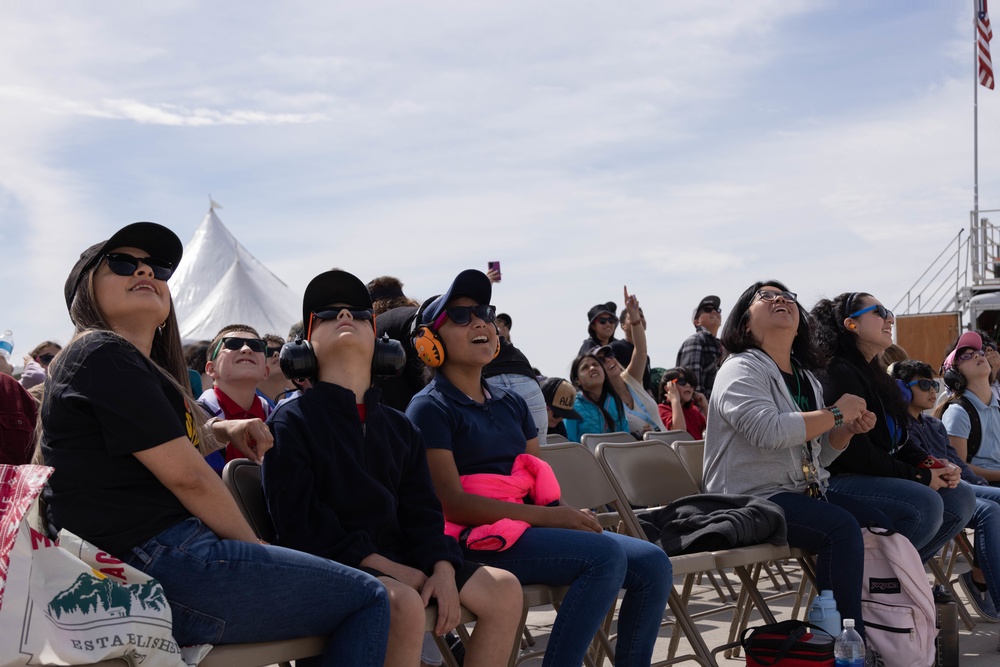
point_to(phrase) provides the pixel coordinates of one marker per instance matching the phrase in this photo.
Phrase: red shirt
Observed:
(694, 420)
(232, 410)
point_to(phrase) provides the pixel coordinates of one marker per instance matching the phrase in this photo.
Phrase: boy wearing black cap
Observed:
(348, 480)
(701, 352)
(560, 396)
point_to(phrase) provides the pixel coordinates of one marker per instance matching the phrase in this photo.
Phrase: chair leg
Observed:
(935, 567)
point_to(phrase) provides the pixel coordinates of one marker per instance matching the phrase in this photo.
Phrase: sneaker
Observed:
(981, 601)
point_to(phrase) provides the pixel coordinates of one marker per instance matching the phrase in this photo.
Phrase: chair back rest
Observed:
(692, 455)
(242, 478)
(555, 437)
(668, 437)
(582, 480)
(648, 473)
(591, 440)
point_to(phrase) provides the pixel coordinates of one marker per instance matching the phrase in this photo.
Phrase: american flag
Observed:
(985, 34)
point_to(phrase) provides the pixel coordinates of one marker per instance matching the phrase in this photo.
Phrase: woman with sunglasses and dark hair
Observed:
(599, 405)
(683, 408)
(130, 476)
(601, 330)
(471, 427)
(771, 435)
(926, 505)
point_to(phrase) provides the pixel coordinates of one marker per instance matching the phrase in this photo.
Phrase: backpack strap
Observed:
(976, 432)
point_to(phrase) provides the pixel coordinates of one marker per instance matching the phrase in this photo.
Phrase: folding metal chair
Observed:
(591, 440)
(585, 484)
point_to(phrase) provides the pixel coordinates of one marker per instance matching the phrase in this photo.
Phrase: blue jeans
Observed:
(832, 530)
(928, 518)
(531, 392)
(595, 567)
(230, 592)
(986, 522)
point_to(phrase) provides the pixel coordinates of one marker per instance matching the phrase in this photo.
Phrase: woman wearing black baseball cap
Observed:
(127, 443)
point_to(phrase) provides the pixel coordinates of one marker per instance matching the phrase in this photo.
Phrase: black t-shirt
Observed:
(104, 400)
(622, 350)
(800, 389)
(510, 360)
(397, 391)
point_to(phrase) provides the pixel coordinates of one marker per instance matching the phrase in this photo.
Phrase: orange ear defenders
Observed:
(430, 348)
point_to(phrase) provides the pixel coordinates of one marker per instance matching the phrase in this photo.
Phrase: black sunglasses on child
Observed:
(462, 315)
(333, 313)
(925, 385)
(124, 264)
(271, 351)
(235, 343)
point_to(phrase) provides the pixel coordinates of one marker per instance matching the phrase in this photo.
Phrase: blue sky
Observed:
(681, 148)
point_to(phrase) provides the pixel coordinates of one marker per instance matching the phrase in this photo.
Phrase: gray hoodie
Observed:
(755, 440)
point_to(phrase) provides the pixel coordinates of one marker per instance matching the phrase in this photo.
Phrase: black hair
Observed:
(606, 388)
(908, 369)
(672, 374)
(836, 341)
(736, 336)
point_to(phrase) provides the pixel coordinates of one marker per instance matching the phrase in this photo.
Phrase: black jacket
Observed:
(343, 490)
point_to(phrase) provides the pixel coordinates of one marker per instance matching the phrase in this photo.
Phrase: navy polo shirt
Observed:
(483, 437)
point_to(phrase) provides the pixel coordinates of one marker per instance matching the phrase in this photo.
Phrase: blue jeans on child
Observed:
(928, 518)
(986, 522)
(595, 567)
(230, 592)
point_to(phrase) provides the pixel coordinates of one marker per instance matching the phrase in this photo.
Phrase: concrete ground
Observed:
(978, 647)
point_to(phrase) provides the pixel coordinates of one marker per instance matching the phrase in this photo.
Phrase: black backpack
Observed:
(976, 431)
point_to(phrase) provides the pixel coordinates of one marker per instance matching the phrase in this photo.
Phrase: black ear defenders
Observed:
(298, 360)
(954, 380)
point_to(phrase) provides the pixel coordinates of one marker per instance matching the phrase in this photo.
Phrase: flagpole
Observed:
(975, 113)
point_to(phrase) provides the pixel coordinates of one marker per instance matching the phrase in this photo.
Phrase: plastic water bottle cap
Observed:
(848, 622)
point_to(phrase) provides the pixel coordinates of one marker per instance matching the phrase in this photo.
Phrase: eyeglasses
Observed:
(880, 310)
(462, 315)
(772, 295)
(607, 320)
(681, 382)
(234, 343)
(45, 359)
(965, 356)
(925, 385)
(710, 309)
(334, 313)
(272, 351)
(124, 264)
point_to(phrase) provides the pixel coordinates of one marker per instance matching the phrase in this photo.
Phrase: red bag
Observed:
(788, 644)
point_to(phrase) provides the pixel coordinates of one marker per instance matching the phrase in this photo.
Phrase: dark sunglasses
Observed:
(607, 320)
(965, 356)
(772, 295)
(271, 351)
(925, 385)
(45, 358)
(234, 343)
(462, 315)
(879, 309)
(333, 313)
(710, 309)
(682, 382)
(124, 264)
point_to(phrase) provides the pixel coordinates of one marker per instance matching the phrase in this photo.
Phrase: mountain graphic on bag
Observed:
(896, 600)
(97, 593)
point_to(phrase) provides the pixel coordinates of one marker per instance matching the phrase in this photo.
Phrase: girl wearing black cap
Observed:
(129, 476)
(472, 427)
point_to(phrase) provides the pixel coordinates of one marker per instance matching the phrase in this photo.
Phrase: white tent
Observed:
(219, 282)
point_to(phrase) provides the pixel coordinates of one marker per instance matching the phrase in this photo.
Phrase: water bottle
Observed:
(823, 613)
(849, 649)
(7, 344)
(947, 622)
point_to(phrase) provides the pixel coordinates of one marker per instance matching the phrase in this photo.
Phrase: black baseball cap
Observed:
(151, 237)
(334, 287)
(610, 307)
(560, 396)
(472, 283)
(710, 301)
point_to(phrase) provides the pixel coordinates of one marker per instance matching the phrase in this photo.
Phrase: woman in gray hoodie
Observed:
(770, 435)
